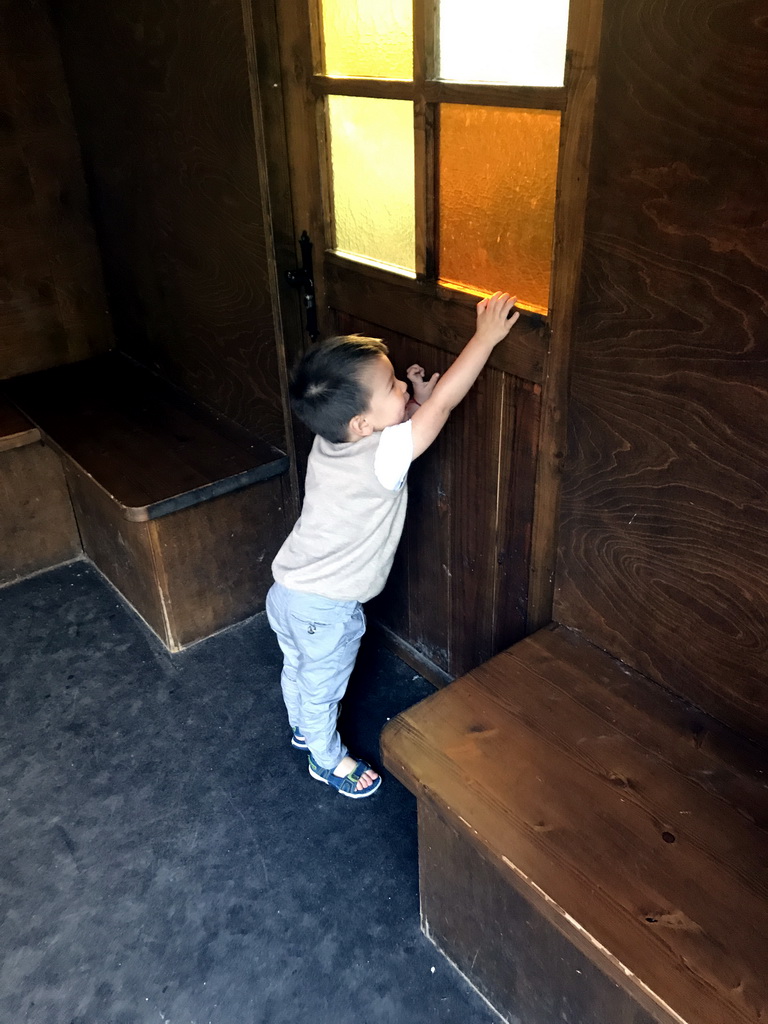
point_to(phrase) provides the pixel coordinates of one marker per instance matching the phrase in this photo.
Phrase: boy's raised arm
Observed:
(492, 327)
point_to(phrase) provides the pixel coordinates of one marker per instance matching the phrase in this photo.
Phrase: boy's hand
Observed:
(422, 389)
(492, 313)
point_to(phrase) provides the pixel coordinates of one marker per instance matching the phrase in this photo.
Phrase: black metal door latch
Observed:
(303, 279)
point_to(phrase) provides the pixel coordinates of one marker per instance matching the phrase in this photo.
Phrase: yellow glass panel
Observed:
(498, 169)
(511, 41)
(372, 165)
(368, 38)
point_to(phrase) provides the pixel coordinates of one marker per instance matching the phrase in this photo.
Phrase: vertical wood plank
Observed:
(429, 529)
(475, 431)
(424, 136)
(583, 46)
(297, 66)
(517, 475)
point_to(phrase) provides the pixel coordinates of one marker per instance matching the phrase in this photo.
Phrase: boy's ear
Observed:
(359, 427)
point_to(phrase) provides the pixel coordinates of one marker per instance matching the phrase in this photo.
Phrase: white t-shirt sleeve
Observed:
(394, 456)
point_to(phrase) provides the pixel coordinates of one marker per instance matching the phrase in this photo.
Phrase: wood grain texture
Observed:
(37, 524)
(53, 307)
(214, 560)
(162, 98)
(15, 429)
(190, 573)
(144, 443)
(520, 961)
(604, 802)
(458, 588)
(583, 47)
(664, 526)
(121, 550)
(410, 307)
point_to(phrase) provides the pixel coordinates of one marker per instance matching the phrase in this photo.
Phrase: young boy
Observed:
(340, 551)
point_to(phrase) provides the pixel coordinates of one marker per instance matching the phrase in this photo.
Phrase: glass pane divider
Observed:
(316, 35)
(371, 270)
(425, 20)
(423, 61)
(322, 120)
(372, 88)
(425, 191)
(524, 97)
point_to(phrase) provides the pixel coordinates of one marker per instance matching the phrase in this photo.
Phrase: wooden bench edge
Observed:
(186, 499)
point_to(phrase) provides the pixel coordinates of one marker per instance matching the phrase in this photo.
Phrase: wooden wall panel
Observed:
(214, 560)
(457, 593)
(162, 97)
(419, 591)
(52, 302)
(664, 525)
(37, 524)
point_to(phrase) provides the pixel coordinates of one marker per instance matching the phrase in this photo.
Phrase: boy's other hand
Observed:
(422, 389)
(492, 313)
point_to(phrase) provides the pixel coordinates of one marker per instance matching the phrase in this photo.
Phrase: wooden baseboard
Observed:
(411, 656)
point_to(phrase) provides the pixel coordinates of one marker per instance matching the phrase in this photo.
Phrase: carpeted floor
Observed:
(164, 855)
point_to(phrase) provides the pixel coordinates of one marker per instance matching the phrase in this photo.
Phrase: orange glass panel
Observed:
(498, 170)
(368, 38)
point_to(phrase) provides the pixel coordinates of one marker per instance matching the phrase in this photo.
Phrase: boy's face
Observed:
(389, 396)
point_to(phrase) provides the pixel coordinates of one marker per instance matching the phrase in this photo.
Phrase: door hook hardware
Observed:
(303, 279)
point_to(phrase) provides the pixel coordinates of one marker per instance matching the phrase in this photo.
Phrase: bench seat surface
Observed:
(139, 439)
(637, 823)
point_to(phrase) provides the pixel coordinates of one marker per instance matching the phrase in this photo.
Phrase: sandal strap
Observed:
(348, 783)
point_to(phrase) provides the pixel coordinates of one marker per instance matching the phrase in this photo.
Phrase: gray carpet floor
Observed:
(164, 856)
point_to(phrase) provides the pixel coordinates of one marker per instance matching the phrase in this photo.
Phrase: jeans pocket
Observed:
(355, 627)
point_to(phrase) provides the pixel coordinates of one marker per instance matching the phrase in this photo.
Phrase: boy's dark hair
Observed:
(326, 388)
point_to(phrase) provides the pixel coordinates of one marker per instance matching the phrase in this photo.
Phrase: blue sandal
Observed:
(346, 785)
(297, 740)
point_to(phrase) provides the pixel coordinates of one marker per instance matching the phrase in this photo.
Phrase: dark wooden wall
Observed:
(52, 303)
(664, 526)
(162, 101)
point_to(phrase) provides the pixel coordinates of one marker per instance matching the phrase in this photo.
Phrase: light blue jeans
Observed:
(319, 639)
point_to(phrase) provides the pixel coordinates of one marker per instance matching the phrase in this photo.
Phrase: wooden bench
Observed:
(180, 510)
(37, 524)
(591, 850)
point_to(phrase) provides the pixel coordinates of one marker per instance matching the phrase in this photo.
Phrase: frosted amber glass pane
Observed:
(498, 169)
(512, 41)
(372, 166)
(368, 38)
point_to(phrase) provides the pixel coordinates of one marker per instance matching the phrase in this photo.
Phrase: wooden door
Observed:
(473, 573)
